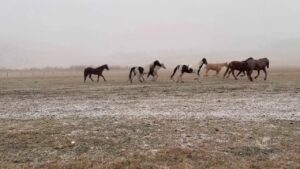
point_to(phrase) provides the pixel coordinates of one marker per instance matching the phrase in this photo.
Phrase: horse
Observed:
(98, 71)
(183, 69)
(215, 67)
(200, 65)
(153, 69)
(260, 64)
(187, 69)
(235, 65)
(139, 71)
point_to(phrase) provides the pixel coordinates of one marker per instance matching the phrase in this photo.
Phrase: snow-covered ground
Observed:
(277, 98)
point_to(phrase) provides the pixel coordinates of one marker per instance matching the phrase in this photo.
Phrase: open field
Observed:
(60, 122)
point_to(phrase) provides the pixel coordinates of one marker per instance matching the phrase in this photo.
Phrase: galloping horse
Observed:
(183, 69)
(235, 65)
(187, 69)
(215, 67)
(153, 69)
(260, 64)
(139, 71)
(98, 71)
(201, 63)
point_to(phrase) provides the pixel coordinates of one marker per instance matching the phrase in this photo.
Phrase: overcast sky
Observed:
(38, 33)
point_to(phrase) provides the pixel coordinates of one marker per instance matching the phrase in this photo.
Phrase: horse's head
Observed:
(156, 63)
(163, 65)
(267, 63)
(204, 61)
(106, 67)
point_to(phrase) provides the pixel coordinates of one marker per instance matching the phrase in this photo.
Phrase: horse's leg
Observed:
(217, 72)
(178, 78)
(249, 73)
(234, 75)
(155, 77)
(90, 76)
(143, 79)
(229, 74)
(239, 73)
(258, 73)
(206, 74)
(244, 74)
(98, 79)
(140, 78)
(226, 73)
(103, 78)
(266, 73)
(181, 78)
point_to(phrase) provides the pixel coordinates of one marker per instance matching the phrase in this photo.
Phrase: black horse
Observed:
(98, 71)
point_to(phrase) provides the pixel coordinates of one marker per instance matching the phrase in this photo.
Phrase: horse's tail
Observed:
(130, 74)
(268, 63)
(228, 67)
(175, 70)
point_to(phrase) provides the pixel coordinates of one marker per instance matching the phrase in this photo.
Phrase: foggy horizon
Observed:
(127, 33)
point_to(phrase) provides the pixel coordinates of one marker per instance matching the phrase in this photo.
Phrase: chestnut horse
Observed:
(215, 67)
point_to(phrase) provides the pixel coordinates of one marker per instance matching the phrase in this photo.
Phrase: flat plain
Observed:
(61, 122)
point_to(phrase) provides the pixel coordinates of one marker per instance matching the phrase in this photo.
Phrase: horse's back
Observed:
(262, 63)
(88, 69)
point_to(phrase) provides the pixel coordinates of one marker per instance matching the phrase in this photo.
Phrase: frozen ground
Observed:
(28, 98)
(60, 122)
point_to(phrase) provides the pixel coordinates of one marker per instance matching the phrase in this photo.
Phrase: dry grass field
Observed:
(61, 122)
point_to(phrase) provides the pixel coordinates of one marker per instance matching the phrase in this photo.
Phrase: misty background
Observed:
(61, 33)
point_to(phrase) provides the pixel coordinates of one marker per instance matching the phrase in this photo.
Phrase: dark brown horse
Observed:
(260, 64)
(235, 65)
(98, 71)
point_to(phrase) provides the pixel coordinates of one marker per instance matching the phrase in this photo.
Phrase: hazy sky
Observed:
(130, 32)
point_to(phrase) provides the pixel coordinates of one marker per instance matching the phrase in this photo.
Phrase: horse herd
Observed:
(246, 67)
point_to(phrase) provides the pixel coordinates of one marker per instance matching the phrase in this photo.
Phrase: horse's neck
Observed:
(100, 69)
(196, 66)
(156, 68)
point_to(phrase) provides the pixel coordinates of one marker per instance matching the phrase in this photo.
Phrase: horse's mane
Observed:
(102, 66)
(264, 59)
(156, 63)
(251, 58)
